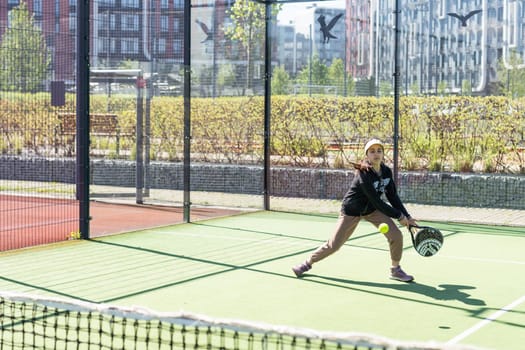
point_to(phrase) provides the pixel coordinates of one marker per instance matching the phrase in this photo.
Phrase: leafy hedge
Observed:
(453, 133)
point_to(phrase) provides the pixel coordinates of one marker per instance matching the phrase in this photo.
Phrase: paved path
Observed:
(489, 216)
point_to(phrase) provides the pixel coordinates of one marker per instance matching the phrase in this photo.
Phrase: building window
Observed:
(130, 45)
(130, 3)
(101, 47)
(177, 46)
(513, 24)
(257, 71)
(37, 8)
(161, 45)
(130, 22)
(72, 22)
(108, 22)
(361, 49)
(442, 5)
(106, 45)
(164, 20)
(176, 25)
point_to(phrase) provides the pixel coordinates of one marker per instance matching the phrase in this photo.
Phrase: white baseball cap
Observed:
(373, 142)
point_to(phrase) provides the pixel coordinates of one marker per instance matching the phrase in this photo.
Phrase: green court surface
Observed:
(239, 267)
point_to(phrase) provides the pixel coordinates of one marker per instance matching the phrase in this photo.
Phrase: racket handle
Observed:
(411, 229)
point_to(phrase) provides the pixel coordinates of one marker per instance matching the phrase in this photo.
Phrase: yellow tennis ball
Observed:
(383, 228)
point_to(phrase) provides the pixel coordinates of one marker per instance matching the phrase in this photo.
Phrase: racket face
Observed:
(428, 241)
(428, 247)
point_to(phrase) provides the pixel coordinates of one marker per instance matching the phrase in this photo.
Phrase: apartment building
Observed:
(452, 43)
(436, 48)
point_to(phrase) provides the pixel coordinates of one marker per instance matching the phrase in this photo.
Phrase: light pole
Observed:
(463, 61)
(407, 46)
(310, 64)
(396, 88)
(345, 65)
(214, 53)
(429, 49)
(294, 53)
(313, 6)
(432, 63)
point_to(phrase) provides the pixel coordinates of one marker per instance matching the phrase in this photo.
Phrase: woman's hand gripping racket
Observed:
(427, 240)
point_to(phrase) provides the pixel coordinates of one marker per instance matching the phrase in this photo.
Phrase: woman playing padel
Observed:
(372, 180)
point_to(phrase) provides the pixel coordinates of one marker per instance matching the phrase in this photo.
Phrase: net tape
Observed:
(36, 322)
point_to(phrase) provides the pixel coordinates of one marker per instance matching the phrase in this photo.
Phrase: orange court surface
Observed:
(32, 221)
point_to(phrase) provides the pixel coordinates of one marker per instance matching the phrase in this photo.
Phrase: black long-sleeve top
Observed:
(364, 195)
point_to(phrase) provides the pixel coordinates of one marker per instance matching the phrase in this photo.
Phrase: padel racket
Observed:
(427, 240)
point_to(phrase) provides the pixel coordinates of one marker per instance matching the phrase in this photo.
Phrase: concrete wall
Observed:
(451, 189)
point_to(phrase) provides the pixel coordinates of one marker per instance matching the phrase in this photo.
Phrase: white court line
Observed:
(293, 242)
(486, 321)
(289, 241)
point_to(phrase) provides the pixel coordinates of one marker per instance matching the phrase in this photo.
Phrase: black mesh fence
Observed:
(37, 181)
(460, 136)
(449, 107)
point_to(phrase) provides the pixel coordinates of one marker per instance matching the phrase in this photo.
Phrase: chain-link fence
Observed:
(37, 182)
(444, 91)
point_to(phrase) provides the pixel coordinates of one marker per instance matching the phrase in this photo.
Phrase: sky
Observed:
(301, 15)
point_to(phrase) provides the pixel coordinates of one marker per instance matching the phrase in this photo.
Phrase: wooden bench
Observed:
(106, 125)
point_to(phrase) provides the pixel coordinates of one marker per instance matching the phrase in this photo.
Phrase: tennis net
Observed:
(35, 322)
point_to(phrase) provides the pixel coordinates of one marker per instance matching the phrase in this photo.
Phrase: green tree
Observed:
(24, 60)
(385, 88)
(414, 88)
(350, 86)
(248, 18)
(226, 77)
(318, 71)
(281, 84)
(466, 87)
(512, 76)
(343, 82)
(442, 88)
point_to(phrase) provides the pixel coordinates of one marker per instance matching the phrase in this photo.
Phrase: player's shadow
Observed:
(441, 292)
